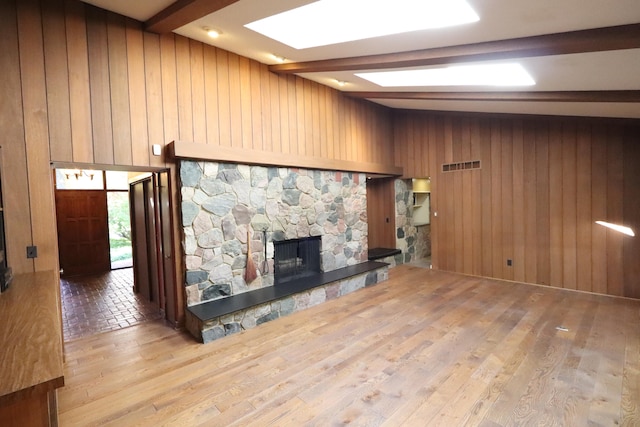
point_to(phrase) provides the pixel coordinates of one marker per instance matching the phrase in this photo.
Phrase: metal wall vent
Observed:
(451, 167)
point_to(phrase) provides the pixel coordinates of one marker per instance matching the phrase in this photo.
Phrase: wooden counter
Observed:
(31, 355)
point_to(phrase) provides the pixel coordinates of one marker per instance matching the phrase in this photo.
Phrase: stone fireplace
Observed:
(223, 203)
(296, 258)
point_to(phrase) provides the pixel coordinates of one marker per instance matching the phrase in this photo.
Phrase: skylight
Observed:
(456, 75)
(327, 22)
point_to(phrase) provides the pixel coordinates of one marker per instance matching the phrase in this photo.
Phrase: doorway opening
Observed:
(112, 276)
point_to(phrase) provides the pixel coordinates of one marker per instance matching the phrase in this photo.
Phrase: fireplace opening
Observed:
(296, 258)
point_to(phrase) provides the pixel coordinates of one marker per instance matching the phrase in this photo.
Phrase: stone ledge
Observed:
(214, 319)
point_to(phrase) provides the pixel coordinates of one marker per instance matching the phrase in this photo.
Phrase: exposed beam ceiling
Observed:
(183, 12)
(593, 40)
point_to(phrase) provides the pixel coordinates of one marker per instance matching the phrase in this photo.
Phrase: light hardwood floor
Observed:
(423, 348)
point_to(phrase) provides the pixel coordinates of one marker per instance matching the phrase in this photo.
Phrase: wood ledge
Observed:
(193, 151)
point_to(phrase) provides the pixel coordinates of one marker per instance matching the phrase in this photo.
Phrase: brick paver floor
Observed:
(101, 303)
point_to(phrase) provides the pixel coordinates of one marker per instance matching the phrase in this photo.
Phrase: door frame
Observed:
(167, 233)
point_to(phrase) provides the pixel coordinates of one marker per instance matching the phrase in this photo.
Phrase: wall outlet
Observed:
(32, 252)
(509, 262)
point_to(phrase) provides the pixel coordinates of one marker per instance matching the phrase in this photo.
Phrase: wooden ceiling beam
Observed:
(592, 40)
(555, 96)
(183, 12)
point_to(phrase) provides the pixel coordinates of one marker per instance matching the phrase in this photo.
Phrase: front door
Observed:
(83, 231)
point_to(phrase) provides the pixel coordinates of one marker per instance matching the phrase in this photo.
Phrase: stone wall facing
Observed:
(228, 208)
(406, 232)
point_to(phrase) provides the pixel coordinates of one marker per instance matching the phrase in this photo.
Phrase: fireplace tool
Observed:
(265, 263)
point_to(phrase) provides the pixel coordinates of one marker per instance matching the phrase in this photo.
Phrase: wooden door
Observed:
(166, 246)
(141, 238)
(381, 213)
(83, 231)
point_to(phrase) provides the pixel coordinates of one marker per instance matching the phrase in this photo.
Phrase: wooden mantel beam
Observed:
(541, 96)
(183, 12)
(195, 151)
(592, 40)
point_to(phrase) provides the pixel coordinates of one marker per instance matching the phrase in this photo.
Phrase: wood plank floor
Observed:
(423, 348)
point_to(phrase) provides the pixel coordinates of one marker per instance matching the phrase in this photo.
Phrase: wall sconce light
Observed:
(619, 228)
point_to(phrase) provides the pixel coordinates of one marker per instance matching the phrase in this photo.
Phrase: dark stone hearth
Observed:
(223, 306)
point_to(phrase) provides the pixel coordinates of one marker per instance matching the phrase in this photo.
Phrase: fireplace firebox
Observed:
(296, 258)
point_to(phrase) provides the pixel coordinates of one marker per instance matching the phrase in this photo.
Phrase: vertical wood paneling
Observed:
(255, 99)
(584, 222)
(506, 161)
(497, 258)
(57, 79)
(315, 119)
(198, 92)
(301, 118)
(274, 89)
(183, 78)
(308, 118)
(153, 85)
(322, 119)
(15, 182)
(98, 48)
(543, 183)
(631, 212)
(246, 105)
(569, 202)
(211, 95)
(556, 205)
(542, 203)
(293, 114)
(78, 64)
(34, 98)
(518, 202)
(285, 132)
(615, 185)
(223, 97)
(137, 94)
(119, 86)
(487, 199)
(169, 87)
(265, 102)
(599, 209)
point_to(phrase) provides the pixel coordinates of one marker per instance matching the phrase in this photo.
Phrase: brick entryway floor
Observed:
(101, 303)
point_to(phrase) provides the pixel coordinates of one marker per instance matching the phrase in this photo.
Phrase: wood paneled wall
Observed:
(543, 183)
(82, 85)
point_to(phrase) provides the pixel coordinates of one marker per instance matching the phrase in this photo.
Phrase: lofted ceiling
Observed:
(583, 55)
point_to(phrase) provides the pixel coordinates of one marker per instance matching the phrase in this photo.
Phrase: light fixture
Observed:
(509, 74)
(278, 58)
(79, 174)
(327, 22)
(212, 32)
(619, 228)
(340, 83)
